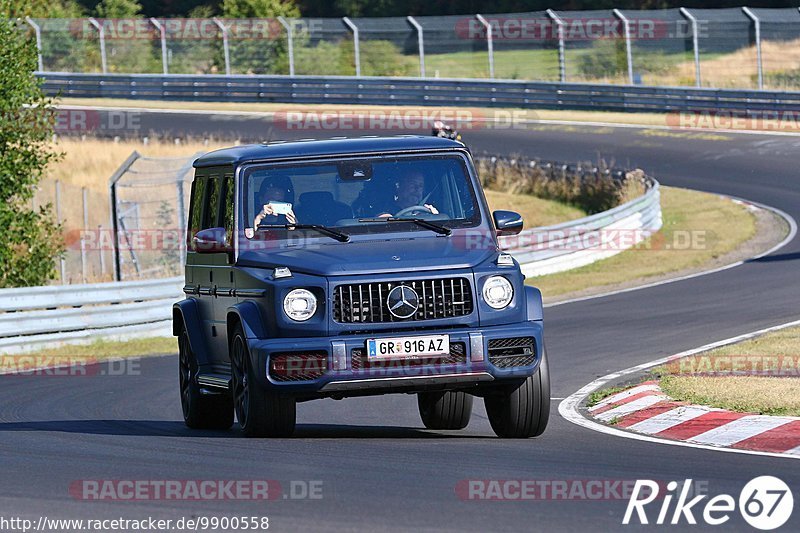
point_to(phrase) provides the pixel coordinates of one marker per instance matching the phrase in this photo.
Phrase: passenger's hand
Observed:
(291, 218)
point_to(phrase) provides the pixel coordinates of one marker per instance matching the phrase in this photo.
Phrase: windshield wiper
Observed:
(427, 224)
(338, 235)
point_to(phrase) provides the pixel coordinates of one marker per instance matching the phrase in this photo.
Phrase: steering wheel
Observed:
(411, 210)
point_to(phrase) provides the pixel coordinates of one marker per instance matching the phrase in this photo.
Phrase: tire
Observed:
(522, 411)
(445, 410)
(200, 411)
(261, 413)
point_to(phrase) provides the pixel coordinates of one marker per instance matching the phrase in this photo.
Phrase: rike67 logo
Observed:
(765, 503)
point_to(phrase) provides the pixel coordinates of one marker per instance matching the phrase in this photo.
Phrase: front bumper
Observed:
(347, 371)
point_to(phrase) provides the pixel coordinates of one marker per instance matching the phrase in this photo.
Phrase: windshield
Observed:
(359, 195)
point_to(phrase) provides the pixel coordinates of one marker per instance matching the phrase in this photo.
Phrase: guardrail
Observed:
(415, 91)
(577, 243)
(41, 317)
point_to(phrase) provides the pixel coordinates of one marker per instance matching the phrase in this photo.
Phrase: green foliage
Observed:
(40, 9)
(29, 240)
(118, 9)
(239, 9)
(606, 58)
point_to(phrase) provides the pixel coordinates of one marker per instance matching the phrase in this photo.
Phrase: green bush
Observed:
(30, 241)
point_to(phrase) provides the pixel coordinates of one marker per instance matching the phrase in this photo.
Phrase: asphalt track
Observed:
(379, 468)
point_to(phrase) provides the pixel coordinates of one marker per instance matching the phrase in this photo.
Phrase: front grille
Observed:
(360, 361)
(508, 353)
(298, 366)
(364, 303)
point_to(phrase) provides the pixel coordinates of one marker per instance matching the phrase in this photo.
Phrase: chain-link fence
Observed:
(725, 48)
(149, 199)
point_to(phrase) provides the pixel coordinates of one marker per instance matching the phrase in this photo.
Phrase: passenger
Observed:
(273, 196)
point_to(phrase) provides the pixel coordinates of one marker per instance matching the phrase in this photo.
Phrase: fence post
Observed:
(100, 251)
(83, 233)
(163, 34)
(562, 62)
(627, 29)
(695, 44)
(62, 262)
(102, 33)
(38, 31)
(290, 39)
(354, 29)
(112, 188)
(225, 47)
(489, 42)
(757, 24)
(420, 44)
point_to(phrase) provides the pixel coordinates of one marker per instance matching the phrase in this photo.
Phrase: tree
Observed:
(118, 9)
(30, 241)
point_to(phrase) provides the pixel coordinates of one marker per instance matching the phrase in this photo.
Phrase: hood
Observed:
(373, 256)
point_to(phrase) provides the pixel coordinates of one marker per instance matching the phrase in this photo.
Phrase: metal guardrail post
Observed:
(38, 32)
(290, 40)
(695, 45)
(225, 47)
(562, 61)
(163, 34)
(757, 24)
(102, 33)
(626, 26)
(112, 188)
(354, 29)
(420, 44)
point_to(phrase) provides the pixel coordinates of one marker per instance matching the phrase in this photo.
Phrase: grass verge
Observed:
(724, 377)
(535, 211)
(97, 351)
(698, 228)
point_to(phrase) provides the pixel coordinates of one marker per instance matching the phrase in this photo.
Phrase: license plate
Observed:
(408, 347)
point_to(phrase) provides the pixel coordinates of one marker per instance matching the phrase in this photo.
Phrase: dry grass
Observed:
(88, 354)
(748, 394)
(534, 211)
(737, 69)
(713, 378)
(720, 224)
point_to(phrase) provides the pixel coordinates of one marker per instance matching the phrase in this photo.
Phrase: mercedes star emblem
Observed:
(403, 301)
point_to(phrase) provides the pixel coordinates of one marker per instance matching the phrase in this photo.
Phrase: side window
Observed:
(196, 207)
(211, 215)
(230, 202)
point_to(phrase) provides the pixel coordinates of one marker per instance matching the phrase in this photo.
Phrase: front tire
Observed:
(261, 413)
(522, 411)
(200, 411)
(445, 410)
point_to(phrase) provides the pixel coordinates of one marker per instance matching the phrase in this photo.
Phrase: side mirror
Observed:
(211, 241)
(507, 222)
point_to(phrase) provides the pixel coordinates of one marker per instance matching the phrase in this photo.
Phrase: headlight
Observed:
(300, 305)
(498, 292)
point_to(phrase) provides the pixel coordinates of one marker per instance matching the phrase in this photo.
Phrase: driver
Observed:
(409, 193)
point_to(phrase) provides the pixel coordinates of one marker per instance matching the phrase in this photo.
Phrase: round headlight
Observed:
(498, 292)
(300, 305)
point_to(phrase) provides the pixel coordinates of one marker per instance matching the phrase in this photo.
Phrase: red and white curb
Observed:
(645, 413)
(646, 409)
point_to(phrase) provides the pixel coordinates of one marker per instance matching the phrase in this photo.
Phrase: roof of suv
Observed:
(329, 147)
